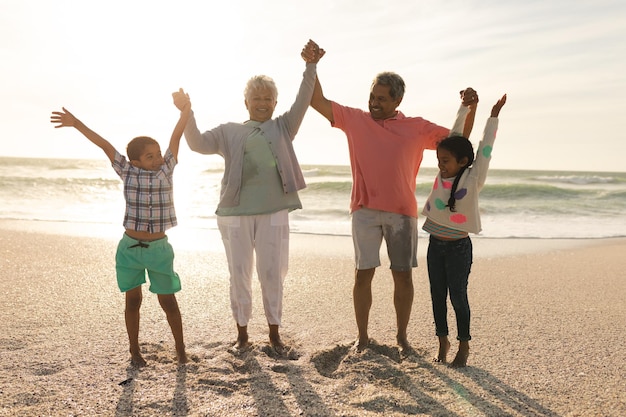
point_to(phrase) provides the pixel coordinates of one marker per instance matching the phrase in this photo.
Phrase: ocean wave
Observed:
(579, 179)
(532, 191)
(329, 187)
(58, 183)
(513, 203)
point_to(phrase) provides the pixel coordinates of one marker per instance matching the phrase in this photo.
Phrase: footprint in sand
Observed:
(327, 361)
(286, 352)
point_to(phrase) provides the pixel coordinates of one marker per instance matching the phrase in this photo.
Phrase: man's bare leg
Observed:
(131, 316)
(403, 301)
(444, 348)
(460, 359)
(362, 295)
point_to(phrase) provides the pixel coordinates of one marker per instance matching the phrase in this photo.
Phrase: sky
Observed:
(114, 64)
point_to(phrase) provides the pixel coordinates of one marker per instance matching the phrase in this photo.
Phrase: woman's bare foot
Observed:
(275, 340)
(242, 338)
(444, 348)
(460, 360)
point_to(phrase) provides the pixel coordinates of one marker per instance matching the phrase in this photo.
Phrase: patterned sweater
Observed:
(467, 216)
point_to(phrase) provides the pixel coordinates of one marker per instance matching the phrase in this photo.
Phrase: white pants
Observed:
(268, 236)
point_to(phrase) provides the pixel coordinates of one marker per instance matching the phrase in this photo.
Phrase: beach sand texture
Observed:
(548, 321)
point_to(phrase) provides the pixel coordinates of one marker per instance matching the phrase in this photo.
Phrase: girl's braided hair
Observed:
(460, 147)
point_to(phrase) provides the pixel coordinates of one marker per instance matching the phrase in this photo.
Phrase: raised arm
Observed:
(292, 119)
(470, 100)
(312, 53)
(321, 103)
(182, 102)
(483, 153)
(495, 110)
(66, 119)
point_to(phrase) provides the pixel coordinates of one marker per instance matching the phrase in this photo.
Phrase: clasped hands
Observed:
(312, 53)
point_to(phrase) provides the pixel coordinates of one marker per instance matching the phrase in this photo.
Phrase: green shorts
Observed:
(134, 258)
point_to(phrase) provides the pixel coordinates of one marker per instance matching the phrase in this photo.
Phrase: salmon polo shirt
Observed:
(385, 156)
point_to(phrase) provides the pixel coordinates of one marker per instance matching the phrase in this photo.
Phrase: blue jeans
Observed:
(449, 265)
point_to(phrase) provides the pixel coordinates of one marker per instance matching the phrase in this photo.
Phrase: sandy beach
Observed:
(548, 321)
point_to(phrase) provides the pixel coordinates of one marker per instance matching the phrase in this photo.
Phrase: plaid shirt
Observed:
(149, 195)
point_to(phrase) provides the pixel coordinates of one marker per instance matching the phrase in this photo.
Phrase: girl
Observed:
(451, 214)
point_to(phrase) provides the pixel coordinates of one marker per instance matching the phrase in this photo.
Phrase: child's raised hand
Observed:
(64, 118)
(495, 110)
(181, 99)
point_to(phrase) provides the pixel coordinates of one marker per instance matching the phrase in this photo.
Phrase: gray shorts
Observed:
(369, 227)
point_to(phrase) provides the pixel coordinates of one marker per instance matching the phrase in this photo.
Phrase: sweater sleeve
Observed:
(204, 143)
(292, 119)
(459, 122)
(483, 154)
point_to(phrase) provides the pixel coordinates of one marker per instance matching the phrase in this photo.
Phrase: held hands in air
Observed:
(469, 97)
(181, 99)
(312, 53)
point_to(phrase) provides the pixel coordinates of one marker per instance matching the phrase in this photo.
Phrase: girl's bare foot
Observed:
(405, 346)
(460, 360)
(444, 348)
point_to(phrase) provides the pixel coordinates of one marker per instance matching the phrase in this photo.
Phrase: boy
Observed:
(148, 191)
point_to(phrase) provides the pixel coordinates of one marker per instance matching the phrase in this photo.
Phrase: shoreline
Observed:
(189, 238)
(547, 321)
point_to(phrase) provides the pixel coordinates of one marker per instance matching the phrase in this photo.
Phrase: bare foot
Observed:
(405, 346)
(360, 345)
(460, 360)
(181, 354)
(242, 338)
(242, 344)
(444, 348)
(275, 341)
(137, 360)
(240, 348)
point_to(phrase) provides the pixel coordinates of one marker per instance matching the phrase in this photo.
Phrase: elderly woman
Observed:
(259, 188)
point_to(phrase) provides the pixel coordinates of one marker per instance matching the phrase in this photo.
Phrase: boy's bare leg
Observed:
(170, 306)
(242, 337)
(275, 338)
(403, 302)
(444, 348)
(131, 316)
(362, 295)
(460, 359)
